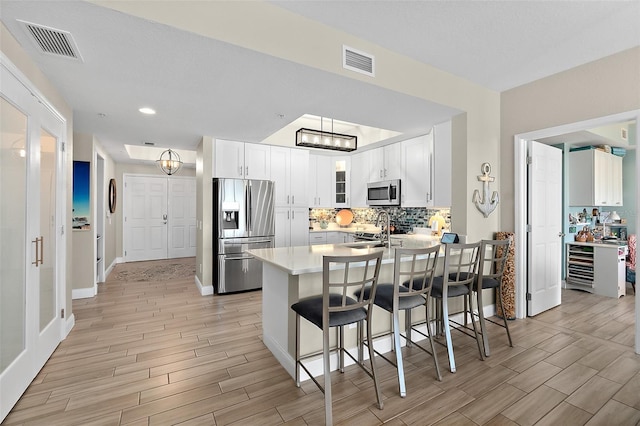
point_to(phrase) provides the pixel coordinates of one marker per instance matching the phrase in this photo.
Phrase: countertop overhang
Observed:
(308, 259)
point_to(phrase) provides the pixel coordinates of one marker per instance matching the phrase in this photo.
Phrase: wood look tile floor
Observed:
(158, 353)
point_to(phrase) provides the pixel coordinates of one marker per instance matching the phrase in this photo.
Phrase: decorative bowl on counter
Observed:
(344, 217)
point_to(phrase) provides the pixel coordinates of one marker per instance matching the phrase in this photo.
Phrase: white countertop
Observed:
(599, 244)
(308, 259)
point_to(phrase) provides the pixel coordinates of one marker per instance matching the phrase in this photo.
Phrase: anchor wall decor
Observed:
(483, 204)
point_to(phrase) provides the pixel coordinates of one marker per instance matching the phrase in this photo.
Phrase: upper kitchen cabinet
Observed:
(341, 180)
(426, 169)
(241, 160)
(441, 161)
(385, 163)
(289, 172)
(417, 171)
(595, 178)
(320, 192)
(359, 178)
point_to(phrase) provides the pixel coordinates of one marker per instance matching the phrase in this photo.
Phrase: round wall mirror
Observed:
(112, 196)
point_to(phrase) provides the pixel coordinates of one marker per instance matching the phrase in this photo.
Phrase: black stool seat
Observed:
(311, 310)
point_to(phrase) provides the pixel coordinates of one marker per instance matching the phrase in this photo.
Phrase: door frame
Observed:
(521, 203)
(62, 324)
(124, 202)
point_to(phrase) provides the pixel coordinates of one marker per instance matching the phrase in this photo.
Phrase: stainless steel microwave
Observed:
(384, 193)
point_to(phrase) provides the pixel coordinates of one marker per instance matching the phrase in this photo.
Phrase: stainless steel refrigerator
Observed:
(242, 220)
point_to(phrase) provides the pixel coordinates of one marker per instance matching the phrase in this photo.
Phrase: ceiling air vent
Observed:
(53, 41)
(358, 61)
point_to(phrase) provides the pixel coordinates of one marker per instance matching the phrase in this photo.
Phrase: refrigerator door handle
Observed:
(259, 242)
(249, 208)
(246, 205)
(239, 258)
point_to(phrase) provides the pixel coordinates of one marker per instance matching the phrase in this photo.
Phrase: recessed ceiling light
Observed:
(147, 110)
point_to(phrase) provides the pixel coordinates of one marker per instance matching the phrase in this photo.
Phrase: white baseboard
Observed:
(205, 290)
(84, 293)
(69, 323)
(110, 268)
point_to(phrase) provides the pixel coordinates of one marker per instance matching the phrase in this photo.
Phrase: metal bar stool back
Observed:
(337, 307)
(459, 272)
(493, 254)
(412, 280)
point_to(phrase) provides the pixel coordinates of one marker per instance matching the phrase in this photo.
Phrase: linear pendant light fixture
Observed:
(326, 140)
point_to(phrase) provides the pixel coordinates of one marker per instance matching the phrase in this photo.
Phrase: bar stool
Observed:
(411, 288)
(336, 307)
(493, 254)
(460, 267)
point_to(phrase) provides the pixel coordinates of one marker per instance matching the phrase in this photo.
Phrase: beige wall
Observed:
(14, 52)
(204, 212)
(608, 86)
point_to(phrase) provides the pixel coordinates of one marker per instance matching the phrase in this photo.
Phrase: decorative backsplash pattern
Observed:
(404, 219)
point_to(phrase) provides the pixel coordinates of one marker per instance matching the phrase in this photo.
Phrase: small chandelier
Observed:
(169, 162)
(326, 140)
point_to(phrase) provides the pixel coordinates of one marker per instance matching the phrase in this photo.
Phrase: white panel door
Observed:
(31, 253)
(182, 217)
(145, 218)
(545, 220)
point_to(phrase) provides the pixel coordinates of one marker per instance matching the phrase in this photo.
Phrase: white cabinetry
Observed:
(320, 181)
(316, 238)
(417, 171)
(341, 180)
(336, 237)
(386, 163)
(425, 181)
(289, 173)
(615, 183)
(241, 160)
(359, 179)
(292, 226)
(441, 165)
(598, 269)
(329, 237)
(595, 178)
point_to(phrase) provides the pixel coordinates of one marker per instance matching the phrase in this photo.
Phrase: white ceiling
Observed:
(201, 86)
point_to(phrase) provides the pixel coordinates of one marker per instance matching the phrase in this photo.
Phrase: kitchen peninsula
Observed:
(293, 273)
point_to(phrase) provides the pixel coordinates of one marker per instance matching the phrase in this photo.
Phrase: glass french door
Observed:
(30, 214)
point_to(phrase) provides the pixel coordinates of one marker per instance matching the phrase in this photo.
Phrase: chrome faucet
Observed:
(388, 229)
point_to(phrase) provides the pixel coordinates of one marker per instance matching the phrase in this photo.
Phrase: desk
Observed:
(292, 273)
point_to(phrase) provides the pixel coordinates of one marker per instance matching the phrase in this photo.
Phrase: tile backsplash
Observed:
(404, 219)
